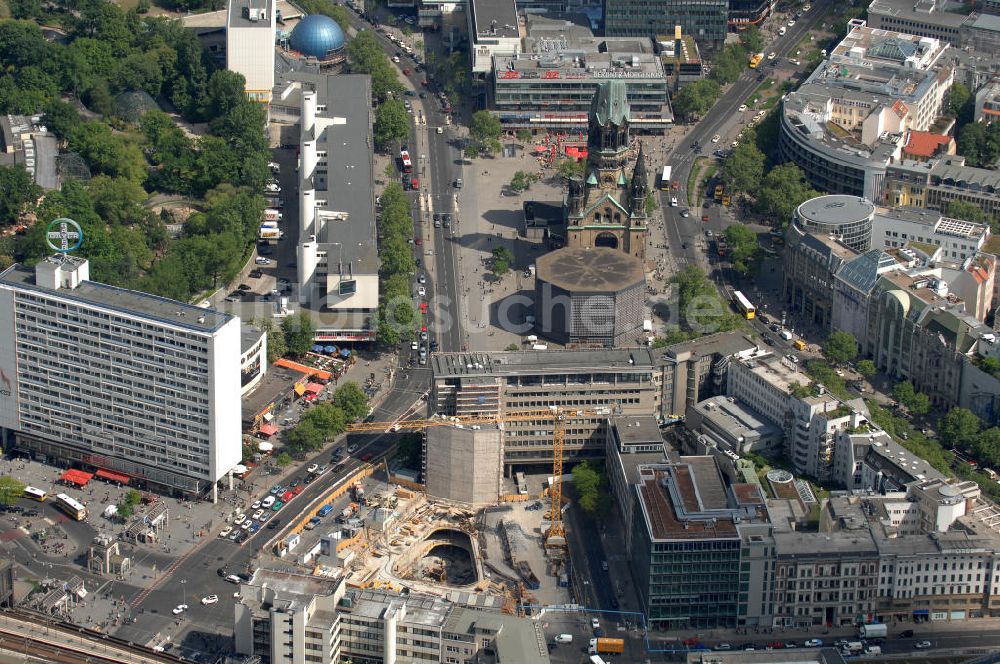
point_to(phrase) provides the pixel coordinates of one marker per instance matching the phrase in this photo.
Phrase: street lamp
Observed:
(183, 591)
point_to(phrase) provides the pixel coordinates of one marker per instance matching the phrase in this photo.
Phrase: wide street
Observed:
(683, 234)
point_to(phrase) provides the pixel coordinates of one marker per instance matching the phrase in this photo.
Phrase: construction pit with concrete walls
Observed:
(494, 554)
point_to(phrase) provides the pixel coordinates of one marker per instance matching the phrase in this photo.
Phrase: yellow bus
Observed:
(744, 305)
(74, 509)
(35, 494)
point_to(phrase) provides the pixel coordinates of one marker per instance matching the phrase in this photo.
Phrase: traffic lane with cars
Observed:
(447, 311)
(722, 113)
(203, 568)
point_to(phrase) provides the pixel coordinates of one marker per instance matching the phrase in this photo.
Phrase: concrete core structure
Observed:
(464, 464)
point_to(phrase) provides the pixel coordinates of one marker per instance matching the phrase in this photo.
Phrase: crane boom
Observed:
(558, 416)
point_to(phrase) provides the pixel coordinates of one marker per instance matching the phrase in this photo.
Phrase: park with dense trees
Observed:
(132, 155)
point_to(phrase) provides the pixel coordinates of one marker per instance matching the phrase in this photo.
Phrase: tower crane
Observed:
(556, 536)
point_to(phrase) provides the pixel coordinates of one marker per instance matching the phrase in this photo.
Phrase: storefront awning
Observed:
(268, 430)
(112, 476)
(313, 372)
(77, 477)
(265, 447)
(921, 612)
(315, 388)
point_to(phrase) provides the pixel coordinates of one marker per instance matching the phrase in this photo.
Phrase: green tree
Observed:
(276, 346)
(590, 487)
(18, 193)
(743, 170)
(283, 459)
(743, 247)
(351, 399)
(840, 347)
(567, 168)
(300, 333)
(959, 209)
(959, 101)
(694, 99)
(305, 437)
(124, 511)
(958, 428)
(392, 123)
(226, 91)
(752, 39)
(11, 490)
(388, 333)
(512, 347)
(523, 135)
(700, 311)
(365, 55)
(903, 391)
(920, 404)
(866, 368)
(522, 181)
(485, 126)
(502, 259)
(328, 419)
(61, 117)
(471, 151)
(784, 188)
(729, 64)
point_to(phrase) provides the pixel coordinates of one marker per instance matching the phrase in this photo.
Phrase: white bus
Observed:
(522, 484)
(665, 178)
(35, 494)
(74, 509)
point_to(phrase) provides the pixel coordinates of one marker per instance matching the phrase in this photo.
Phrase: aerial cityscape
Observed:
(499, 331)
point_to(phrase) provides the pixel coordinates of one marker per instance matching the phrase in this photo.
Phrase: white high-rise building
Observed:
(338, 263)
(108, 378)
(251, 27)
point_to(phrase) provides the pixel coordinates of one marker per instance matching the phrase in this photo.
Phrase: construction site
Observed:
(400, 539)
(381, 534)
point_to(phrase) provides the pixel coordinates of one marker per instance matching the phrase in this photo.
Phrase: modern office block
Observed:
(102, 377)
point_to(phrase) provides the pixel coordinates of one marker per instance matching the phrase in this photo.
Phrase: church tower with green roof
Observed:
(606, 206)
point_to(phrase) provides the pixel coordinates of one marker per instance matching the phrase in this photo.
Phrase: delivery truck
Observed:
(270, 214)
(605, 645)
(873, 631)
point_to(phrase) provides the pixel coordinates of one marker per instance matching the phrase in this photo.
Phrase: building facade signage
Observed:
(609, 73)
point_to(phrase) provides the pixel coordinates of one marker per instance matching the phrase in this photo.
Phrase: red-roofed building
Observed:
(924, 145)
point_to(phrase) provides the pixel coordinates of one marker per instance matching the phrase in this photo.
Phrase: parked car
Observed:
(210, 599)
(922, 645)
(179, 609)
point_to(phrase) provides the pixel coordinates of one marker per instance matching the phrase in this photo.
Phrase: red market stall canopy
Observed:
(77, 477)
(315, 388)
(112, 476)
(268, 430)
(579, 153)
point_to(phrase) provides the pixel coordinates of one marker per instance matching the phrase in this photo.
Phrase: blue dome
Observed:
(317, 35)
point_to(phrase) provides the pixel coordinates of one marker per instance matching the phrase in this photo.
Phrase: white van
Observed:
(563, 638)
(782, 30)
(673, 201)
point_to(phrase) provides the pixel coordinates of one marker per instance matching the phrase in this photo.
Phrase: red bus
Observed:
(404, 157)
